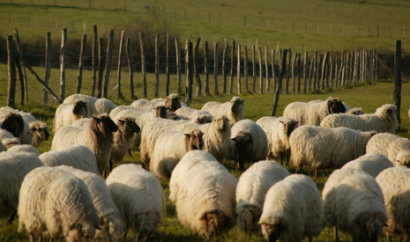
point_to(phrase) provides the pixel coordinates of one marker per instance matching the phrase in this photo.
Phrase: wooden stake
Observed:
(278, 89)
(80, 64)
(143, 66)
(178, 64)
(11, 62)
(306, 72)
(62, 63)
(245, 66)
(206, 68)
(108, 62)
(238, 76)
(260, 71)
(119, 94)
(232, 67)
(196, 71)
(156, 66)
(22, 69)
(130, 70)
(224, 66)
(100, 67)
(267, 69)
(397, 79)
(47, 64)
(216, 56)
(253, 69)
(167, 53)
(94, 60)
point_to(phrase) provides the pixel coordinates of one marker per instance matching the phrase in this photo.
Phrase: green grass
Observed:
(369, 97)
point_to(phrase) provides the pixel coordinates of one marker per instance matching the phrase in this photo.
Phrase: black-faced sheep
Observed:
(68, 113)
(233, 109)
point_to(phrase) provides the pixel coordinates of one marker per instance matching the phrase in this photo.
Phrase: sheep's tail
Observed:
(248, 217)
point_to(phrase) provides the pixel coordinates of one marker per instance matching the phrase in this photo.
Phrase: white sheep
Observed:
(233, 109)
(372, 164)
(252, 187)
(217, 136)
(98, 137)
(379, 143)
(398, 152)
(159, 111)
(89, 100)
(353, 202)
(292, 210)
(313, 112)
(68, 113)
(77, 156)
(103, 105)
(140, 198)
(110, 217)
(8, 140)
(248, 143)
(193, 115)
(355, 111)
(203, 192)
(278, 131)
(322, 148)
(171, 102)
(24, 148)
(383, 120)
(14, 166)
(56, 203)
(129, 113)
(170, 147)
(118, 109)
(394, 183)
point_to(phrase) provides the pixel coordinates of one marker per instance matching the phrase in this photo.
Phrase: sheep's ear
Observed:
(97, 119)
(242, 101)
(188, 135)
(385, 225)
(281, 121)
(98, 228)
(121, 121)
(234, 139)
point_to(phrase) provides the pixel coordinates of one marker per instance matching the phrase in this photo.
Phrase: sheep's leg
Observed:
(388, 237)
(310, 238)
(31, 237)
(111, 165)
(336, 236)
(315, 173)
(287, 160)
(12, 216)
(40, 238)
(52, 240)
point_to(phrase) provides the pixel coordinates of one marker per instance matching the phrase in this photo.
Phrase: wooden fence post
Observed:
(311, 73)
(397, 79)
(189, 72)
(22, 70)
(239, 69)
(274, 75)
(108, 62)
(323, 69)
(119, 94)
(293, 73)
(288, 71)
(224, 66)
(260, 71)
(306, 72)
(156, 66)
(62, 63)
(143, 68)
(253, 69)
(80, 64)
(167, 54)
(245, 66)
(196, 71)
(178, 64)
(206, 68)
(93, 61)
(130, 70)
(216, 56)
(298, 71)
(11, 62)
(355, 68)
(279, 87)
(336, 70)
(331, 70)
(374, 60)
(47, 64)
(343, 69)
(267, 69)
(100, 67)
(232, 66)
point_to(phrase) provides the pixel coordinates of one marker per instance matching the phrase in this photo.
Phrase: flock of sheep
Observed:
(62, 193)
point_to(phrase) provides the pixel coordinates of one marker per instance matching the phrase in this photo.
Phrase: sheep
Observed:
(68, 113)
(90, 101)
(313, 112)
(108, 212)
(372, 164)
(56, 203)
(193, 115)
(292, 210)
(252, 187)
(353, 202)
(203, 192)
(16, 125)
(98, 137)
(355, 111)
(140, 198)
(248, 143)
(77, 156)
(217, 136)
(321, 148)
(14, 166)
(403, 158)
(380, 143)
(8, 140)
(278, 131)
(103, 105)
(24, 148)
(398, 152)
(118, 109)
(159, 111)
(171, 147)
(171, 102)
(395, 187)
(383, 120)
(141, 103)
(39, 129)
(136, 140)
(233, 109)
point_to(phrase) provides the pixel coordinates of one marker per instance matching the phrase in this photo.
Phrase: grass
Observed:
(369, 97)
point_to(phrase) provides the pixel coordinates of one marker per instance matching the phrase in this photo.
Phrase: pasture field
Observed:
(298, 24)
(369, 97)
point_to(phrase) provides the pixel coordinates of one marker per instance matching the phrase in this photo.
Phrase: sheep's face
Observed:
(81, 232)
(368, 227)
(288, 127)
(390, 114)
(355, 111)
(13, 123)
(335, 105)
(213, 222)
(39, 132)
(272, 232)
(160, 111)
(204, 119)
(130, 125)
(403, 158)
(172, 102)
(221, 123)
(236, 104)
(194, 140)
(80, 110)
(248, 216)
(105, 123)
(243, 144)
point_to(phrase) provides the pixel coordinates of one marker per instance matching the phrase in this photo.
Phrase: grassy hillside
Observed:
(369, 97)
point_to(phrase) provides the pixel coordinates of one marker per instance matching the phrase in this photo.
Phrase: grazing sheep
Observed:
(380, 143)
(14, 166)
(140, 198)
(68, 113)
(383, 120)
(403, 158)
(103, 105)
(233, 109)
(372, 164)
(159, 111)
(77, 156)
(355, 111)
(252, 187)
(398, 152)
(118, 109)
(248, 143)
(171, 147)
(322, 148)
(141, 103)
(13, 123)
(278, 131)
(24, 148)
(217, 137)
(98, 137)
(56, 203)
(193, 115)
(313, 112)
(110, 218)
(203, 192)
(90, 101)
(292, 210)
(171, 102)
(353, 202)
(394, 183)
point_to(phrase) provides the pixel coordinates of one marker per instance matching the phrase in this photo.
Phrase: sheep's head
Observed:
(355, 111)
(194, 140)
(81, 231)
(248, 216)
(130, 125)
(243, 143)
(203, 119)
(221, 123)
(39, 132)
(335, 105)
(80, 110)
(272, 231)
(172, 102)
(160, 111)
(236, 104)
(13, 123)
(369, 226)
(145, 225)
(403, 158)
(213, 222)
(289, 126)
(105, 123)
(389, 112)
